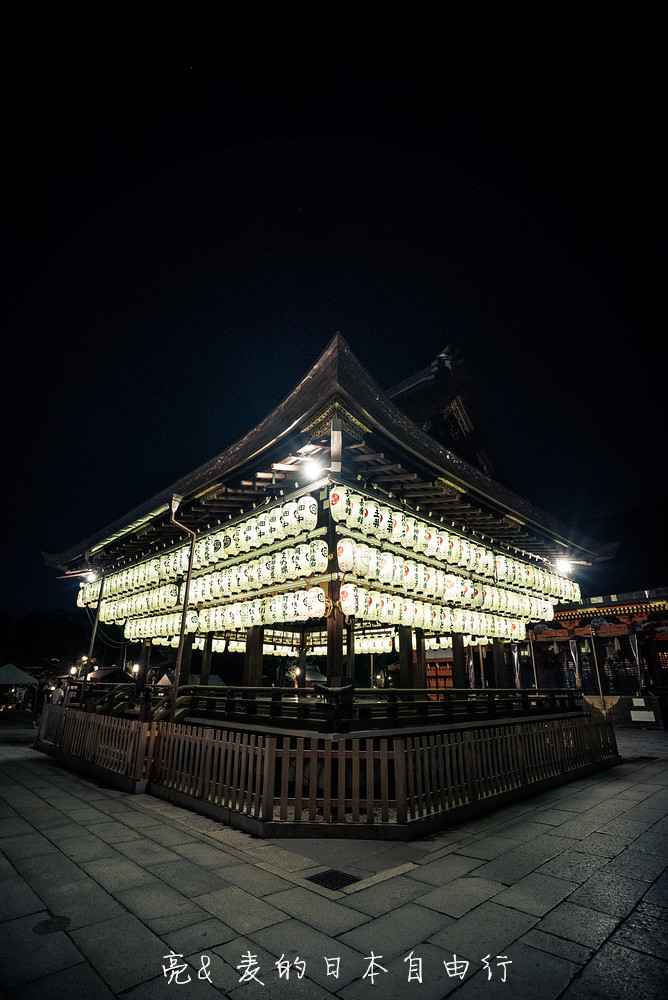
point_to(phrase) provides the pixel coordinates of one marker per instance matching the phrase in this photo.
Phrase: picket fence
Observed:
(284, 784)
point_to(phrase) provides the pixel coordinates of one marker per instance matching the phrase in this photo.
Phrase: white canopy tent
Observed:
(9, 674)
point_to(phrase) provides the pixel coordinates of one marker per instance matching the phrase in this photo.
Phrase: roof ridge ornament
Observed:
(321, 424)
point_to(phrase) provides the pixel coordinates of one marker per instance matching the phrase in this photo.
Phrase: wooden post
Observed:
(406, 666)
(459, 674)
(206, 658)
(252, 676)
(502, 677)
(350, 654)
(420, 677)
(186, 659)
(334, 632)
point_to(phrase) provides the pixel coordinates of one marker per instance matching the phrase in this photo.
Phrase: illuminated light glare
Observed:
(311, 470)
(563, 566)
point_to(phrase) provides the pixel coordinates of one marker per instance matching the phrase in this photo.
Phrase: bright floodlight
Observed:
(312, 470)
(92, 577)
(564, 566)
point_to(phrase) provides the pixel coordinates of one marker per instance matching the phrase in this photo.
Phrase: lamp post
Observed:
(176, 502)
(89, 658)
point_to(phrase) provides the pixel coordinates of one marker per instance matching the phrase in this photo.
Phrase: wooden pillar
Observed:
(650, 653)
(420, 677)
(186, 658)
(334, 633)
(406, 666)
(206, 658)
(350, 643)
(144, 660)
(502, 672)
(252, 676)
(459, 674)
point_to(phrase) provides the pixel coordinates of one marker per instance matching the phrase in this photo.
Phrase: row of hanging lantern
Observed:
(403, 528)
(420, 578)
(272, 524)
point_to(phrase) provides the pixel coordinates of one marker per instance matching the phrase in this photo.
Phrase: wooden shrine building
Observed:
(334, 520)
(338, 527)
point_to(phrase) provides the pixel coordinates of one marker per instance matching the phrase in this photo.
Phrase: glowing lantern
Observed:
(319, 556)
(421, 534)
(276, 528)
(371, 520)
(315, 598)
(263, 535)
(375, 605)
(307, 513)
(301, 609)
(250, 534)
(397, 571)
(253, 574)
(345, 554)
(279, 568)
(386, 609)
(385, 521)
(361, 560)
(421, 574)
(289, 519)
(386, 567)
(229, 544)
(410, 574)
(398, 526)
(407, 612)
(349, 598)
(338, 502)
(453, 587)
(302, 560)
(374, 564)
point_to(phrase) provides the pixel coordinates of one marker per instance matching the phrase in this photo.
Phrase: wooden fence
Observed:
(119, 746)
(285, 784)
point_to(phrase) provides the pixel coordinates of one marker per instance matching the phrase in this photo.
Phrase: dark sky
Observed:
(194, 208)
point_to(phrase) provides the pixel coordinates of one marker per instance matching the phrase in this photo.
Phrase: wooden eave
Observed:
(383, 450)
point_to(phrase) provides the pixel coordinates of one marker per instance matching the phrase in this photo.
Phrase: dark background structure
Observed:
(194, 207)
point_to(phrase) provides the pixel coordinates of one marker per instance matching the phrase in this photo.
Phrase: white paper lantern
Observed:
(398, 526)
(386, 567)
(302, 560)
(250, 534)
(345, 554)
(385, 522)
(279, 568)
(301, 606)
(375, 605)
(307, 513)
(453, 587)
(316, 602)
(319, 556)
(397, 571)
(289, 519)
(349, 598)
(371, 518)
(253, 574)
(410, 574)
(338, 502)
(276, 528)
(374, 564)
(361, 560)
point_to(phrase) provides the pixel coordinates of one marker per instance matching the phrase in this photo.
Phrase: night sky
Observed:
(194, 208)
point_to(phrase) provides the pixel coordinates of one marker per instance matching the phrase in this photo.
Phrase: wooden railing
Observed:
(274, 783)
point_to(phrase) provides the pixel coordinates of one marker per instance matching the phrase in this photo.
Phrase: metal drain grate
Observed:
(333, 879)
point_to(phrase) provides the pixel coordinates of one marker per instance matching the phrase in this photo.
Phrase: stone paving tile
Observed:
(14, 826)
(157, 989)
(252, 879)
(589, 927)
(74, 982)
(458, 897)
(45, 818)
(603, 844)
(638, 864)
(570, 950)
(658, 894)
(398, 930)
(490, 927)
(526, 829)
(574, 865)
(17, 899)
(85, 815)
(145, 852)
(240, 909)
(617, 973)
(205, 855)
(47, 868)
(81, 901)
(48, 954)
(155, 899)
(487, 848)
(645, 930)
(295, 938)
(112, 831)
(325, 915)
(168, 836)
(26, 846)
(122, 950)
(516, 864)
(613, 894)
(186, 877)
(199, 937)
(536, 894)
(445, 869)
(79, 845)
(384, 896)
(652, 843)
(116, 873)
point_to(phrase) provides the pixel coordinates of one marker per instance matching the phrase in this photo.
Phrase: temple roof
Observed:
(383, 449)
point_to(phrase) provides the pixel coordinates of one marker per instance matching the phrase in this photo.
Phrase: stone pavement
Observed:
(565, 895)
